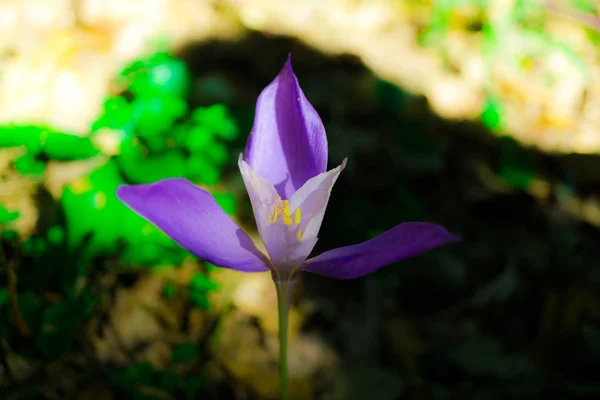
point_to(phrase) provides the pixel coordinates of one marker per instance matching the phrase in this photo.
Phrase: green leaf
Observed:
(199, 139)
(9, 234)
(499, 290)
(201, 282)
(438, 25)
(168, 380)
(138, 374)
(491, 116)
(118, 114)
(210, 267)
(390, 96)
(157, 74)
(587, 6)
(8, 216)
(184, 352)
(169, 290)
(29, 307)
(199, 287)
(367, 382)
(56, 234)
(140, 168)
(62, 146)
(155, 115)
(4, 296)
(58, 328)
(483, 356)
(28, 165)
(227, 202)
(91, 207)
(217, 119)
(218, 153)
(18, 135)
(198, 168)
(516, 165)
(34, 246)
(192, 387)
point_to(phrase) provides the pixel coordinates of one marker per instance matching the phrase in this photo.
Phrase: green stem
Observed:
(284, 292)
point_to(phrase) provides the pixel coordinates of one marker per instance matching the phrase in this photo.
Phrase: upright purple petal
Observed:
(402, 241)
(287, 145)
(192, 217)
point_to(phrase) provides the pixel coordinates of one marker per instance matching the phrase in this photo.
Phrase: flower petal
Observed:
(311, 201)
(402, 241)
(192, 217)
(263, 195)
(287, 145)
(289, 228)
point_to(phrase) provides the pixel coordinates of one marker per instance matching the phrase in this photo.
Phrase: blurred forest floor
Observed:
(511, 312)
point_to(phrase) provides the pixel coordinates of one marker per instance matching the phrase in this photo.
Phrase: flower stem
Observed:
(284, 292)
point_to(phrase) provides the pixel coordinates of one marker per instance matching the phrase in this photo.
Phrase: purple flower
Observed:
(285, 173)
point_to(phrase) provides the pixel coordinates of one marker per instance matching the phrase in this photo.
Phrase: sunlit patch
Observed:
(99, 200)
(81, 185)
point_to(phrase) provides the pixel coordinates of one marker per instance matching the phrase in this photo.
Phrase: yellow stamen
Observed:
(282, 207)
(299, 234)
(287, 215)
(276, 213)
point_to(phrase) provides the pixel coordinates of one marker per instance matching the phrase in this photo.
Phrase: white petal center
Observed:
(289, 228)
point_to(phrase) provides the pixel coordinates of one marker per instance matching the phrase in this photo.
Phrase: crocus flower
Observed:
(284, 169)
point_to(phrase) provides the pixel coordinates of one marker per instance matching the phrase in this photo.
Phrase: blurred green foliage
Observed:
(491, 115)
(158, 135)
(516, 35)
(41, 143)
(143, 381)
(200, 286)
(185, 352)
(53, 302)
(8, 216)
(516, 166)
